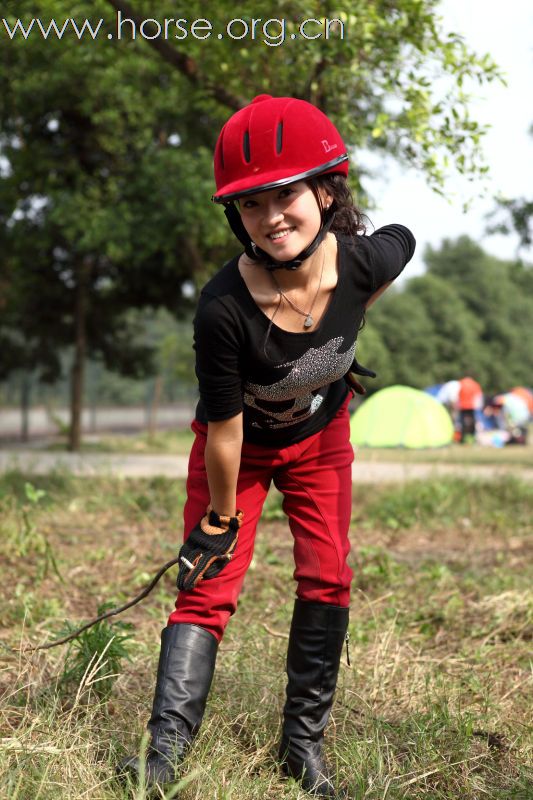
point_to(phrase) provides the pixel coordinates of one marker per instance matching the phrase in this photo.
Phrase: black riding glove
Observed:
(351, 379)
(208, 548)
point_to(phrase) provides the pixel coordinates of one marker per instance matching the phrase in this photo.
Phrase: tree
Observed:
(514, 215)
(471, 313)
(498, 295)
(90, 222)
(456, 330)
(407, 333)
(372, 353)
(389, 75)
(106, 146)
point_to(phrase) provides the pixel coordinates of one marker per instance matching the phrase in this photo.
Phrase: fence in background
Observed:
(40, 422)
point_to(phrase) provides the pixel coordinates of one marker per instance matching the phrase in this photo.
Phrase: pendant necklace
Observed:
(308, 321)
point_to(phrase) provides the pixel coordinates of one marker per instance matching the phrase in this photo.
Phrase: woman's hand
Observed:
(208, 548)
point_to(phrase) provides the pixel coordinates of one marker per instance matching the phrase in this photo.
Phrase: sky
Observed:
(505, 31)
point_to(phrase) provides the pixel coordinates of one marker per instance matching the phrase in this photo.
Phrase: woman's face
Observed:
(282, 221)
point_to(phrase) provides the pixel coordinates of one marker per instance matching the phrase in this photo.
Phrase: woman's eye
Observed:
(249, 204)
(286, 192)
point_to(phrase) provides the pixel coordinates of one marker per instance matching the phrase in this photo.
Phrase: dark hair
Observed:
(348, 218)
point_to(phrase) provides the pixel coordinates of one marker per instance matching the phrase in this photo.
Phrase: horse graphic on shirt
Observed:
(316, 368)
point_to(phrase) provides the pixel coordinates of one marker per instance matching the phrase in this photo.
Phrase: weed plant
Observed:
(437, 702)
(96, 656)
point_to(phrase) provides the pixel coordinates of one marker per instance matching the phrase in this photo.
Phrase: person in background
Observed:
(274, 334)
(511, 414)
(469, 401)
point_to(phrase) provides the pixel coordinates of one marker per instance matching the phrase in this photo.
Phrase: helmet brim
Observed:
(242, 188)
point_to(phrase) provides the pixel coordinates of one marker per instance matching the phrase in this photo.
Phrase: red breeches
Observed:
(314, 477)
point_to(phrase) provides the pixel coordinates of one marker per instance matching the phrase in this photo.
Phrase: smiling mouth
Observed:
(280, 234)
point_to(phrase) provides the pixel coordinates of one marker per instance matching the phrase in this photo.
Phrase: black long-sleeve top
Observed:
(294, 389)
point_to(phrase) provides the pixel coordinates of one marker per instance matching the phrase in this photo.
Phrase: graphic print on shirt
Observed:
(317, 367)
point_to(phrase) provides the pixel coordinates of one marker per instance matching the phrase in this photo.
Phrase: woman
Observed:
(275, 333)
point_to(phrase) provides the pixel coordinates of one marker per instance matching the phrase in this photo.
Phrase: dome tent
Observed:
(400, 416)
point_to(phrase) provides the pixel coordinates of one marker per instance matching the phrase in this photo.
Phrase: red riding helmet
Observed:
(274, 141)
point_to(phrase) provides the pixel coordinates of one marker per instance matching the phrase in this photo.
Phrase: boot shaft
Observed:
(318, 631)
(184, 676)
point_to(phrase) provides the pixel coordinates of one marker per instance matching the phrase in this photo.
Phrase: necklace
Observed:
(308, 321)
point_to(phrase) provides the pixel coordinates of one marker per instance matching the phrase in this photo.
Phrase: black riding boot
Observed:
(184, 675)
(317, 634)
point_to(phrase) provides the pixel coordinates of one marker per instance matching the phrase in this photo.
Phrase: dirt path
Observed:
(175, 466)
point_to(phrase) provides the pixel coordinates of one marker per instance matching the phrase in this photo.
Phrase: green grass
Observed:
(437, 702)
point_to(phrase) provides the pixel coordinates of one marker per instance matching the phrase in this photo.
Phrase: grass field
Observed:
(437, 702)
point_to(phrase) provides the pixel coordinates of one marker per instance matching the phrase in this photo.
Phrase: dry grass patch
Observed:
(436, 703)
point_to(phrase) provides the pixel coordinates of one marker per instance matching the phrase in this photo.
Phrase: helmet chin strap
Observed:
(257, 254)
(235, 223)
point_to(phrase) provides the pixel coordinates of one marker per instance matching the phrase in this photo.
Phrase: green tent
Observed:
(401, 417)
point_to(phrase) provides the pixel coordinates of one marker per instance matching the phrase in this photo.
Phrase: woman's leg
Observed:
(317, 487)
(211, 603)
(189, 642)
(316, 484)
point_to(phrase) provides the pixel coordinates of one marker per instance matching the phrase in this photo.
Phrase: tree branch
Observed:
(184, 64)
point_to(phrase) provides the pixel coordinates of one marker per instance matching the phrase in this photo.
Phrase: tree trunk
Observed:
(80, 347)
(92, 394)
(25, 392)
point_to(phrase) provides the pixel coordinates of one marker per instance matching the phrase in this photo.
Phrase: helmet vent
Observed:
(279, 138)
(246, 146)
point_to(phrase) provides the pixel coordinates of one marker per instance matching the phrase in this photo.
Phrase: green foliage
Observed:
(94, 658)
(374, 567)
(98, 203)
(375, 74)
(407, 333)
(30, 542)
(470, 314)
(514, 215)
(273, 508)
(425, 502)
(447, 501)
(494, 292)
(57, 486)
(372, 352)
(104, 193)
(455, 328)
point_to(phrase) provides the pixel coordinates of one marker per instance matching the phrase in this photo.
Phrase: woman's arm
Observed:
(222, 463)
(392, 247)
